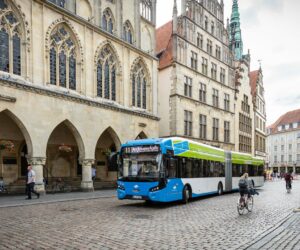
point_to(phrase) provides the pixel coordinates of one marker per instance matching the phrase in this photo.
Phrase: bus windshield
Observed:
(140, 167)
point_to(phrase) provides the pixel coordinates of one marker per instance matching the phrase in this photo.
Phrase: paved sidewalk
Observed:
(285, 236)
(19, 200)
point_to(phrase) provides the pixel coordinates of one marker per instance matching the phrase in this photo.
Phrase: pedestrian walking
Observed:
(31, 183)
(93, 173)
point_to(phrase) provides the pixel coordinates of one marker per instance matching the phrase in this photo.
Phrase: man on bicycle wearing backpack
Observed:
(243, 185)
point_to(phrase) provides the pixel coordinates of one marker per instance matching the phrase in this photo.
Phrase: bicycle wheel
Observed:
(240, 207)
(250, 204)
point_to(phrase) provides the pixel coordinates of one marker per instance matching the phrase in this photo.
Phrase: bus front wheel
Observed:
(220, 189)
(185, 195)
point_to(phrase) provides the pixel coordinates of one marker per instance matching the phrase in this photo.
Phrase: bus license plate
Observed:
(137, 197)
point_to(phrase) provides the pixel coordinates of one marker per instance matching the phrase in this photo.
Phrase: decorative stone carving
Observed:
(37, 161)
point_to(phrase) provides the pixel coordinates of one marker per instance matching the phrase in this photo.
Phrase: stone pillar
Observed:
(37, 164)
(137, 24)
(86, 182)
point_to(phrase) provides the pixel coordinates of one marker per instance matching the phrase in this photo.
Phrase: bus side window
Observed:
(205, 168)
(244, 169)
(188, 168)
(200, 162)
(252, 170)
(222, 169)
(195, 168)
(180, 167)
(211, 168)
(171, 168)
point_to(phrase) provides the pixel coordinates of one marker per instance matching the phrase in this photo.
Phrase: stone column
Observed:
(37, 164)
(86, 182)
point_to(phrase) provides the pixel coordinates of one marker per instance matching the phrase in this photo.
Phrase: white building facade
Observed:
(283, 143)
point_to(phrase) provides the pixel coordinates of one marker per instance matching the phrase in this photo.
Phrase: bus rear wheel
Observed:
(185, 195)
(220, 189)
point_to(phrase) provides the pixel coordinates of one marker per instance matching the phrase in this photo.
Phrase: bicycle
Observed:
(245, 202)
(3, 189)
(288, 185)
(58, 186)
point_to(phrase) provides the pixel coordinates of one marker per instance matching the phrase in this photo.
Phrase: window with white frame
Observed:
(202, 92)
(187, 86)
(215, 97)
(215, 129)
(202, 123)
(188, 123)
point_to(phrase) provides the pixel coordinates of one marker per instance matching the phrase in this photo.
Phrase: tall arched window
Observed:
(10, 40)
(108, 21)
(128, 32)
(146, 9)
(106, 73)
(139, 86)
(62, 58)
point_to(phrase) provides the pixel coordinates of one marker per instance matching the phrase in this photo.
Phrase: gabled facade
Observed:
(77, 78)
(244, 110)
(196, 86)
(258, 91)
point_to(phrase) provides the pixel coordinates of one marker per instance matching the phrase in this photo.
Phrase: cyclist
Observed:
(243, 186)
(288, 180)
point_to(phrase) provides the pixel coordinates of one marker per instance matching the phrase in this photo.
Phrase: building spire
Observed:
(175, 14)
(235, 34)
(175, 11)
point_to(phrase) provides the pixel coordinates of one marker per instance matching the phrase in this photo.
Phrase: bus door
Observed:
(174, 189)
(228, 171)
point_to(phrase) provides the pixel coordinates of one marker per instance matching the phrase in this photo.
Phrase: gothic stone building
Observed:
(196, 86)
(77, 78)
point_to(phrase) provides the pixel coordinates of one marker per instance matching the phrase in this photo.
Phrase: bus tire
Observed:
(185, 194)
(220, 189)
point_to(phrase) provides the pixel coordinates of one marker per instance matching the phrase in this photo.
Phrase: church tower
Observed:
(235, 34)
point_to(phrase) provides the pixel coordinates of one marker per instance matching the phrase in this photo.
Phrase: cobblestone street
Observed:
(107, 223)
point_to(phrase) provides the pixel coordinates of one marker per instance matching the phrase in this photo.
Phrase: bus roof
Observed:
(182, 147)
(191, 149)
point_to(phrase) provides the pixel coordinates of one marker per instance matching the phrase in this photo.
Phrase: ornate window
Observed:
(146, 9)
(127, 32)
(107, 21)
(139, 86)
(10, 40)
(106, 73)
(62, 58)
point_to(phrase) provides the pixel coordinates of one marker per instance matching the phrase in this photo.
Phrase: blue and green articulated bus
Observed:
(172, 169)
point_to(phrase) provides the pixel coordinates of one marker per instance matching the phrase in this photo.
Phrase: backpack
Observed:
(243, 184)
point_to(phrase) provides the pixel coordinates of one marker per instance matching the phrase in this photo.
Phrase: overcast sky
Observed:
(270, 29)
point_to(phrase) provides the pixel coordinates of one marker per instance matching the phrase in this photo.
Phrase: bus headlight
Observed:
(154, 189)
(121, 187)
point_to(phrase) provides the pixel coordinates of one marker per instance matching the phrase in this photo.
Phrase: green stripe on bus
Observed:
(196, 155)
(245, 159)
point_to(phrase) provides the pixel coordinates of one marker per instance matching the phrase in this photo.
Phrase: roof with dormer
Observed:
(289, 118)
